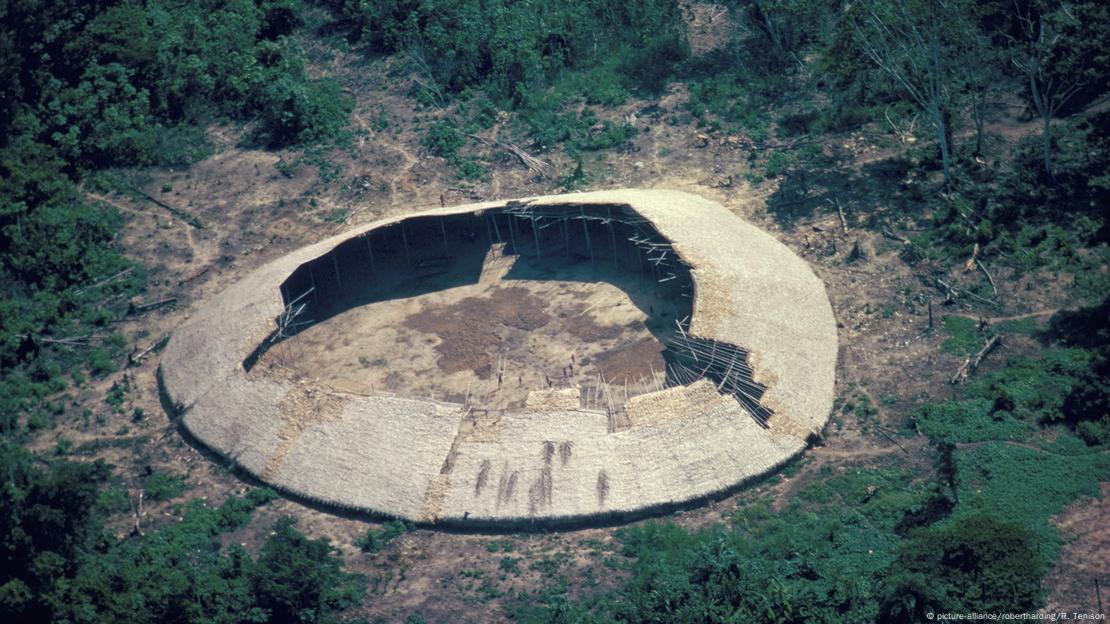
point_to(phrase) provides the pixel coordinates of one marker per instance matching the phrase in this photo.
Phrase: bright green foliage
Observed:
(1063, 385)
(821, 558)
(970, 420)
(1026, 485)
(964, 335)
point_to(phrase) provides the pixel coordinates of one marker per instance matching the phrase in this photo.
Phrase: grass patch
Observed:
(964, 335)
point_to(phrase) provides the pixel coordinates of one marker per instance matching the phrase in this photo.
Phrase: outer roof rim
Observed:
(749, 290)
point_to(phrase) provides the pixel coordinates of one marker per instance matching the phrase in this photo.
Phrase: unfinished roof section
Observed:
(749, 363)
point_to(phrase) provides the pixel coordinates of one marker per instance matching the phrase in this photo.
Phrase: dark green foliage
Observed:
(1062, 385)
(298, 581)
(580, 131)
(374, 541)
(59, 566)
(45, 521)
(511, 49)
(977, 564)
(443, 139)
(95, 85)
(730, 102)
(161, 486)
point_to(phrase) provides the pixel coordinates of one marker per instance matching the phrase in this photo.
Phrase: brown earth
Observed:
(468, 329)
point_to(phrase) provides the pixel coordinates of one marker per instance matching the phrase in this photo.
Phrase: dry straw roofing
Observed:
(551, 462)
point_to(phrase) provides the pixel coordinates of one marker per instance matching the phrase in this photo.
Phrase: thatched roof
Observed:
(415, 459)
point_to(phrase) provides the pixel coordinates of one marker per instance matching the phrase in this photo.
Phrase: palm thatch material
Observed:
(437, 462)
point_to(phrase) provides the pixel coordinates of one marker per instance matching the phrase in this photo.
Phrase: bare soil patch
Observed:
(469, 328)
(527, 324)
(642, 358)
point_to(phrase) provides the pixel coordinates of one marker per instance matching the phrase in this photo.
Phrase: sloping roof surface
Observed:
(411, 459)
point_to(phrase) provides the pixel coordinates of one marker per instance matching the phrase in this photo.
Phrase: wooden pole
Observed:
(312, 280)
(497, 230)
(370, 252)
(612, 235)
(405, 238)
(489, 232)
(443, 232)
(566, 237)
(1098, 595)
(536, 234)
(512, 233)
(335, 263)
(586, 229)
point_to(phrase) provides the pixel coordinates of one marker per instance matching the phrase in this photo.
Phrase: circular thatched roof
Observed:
(551, 462)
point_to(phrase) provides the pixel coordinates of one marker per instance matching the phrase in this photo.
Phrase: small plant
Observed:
(161, 486)
(375, 541)
(509, 564)
(337, 216)
(443, 139)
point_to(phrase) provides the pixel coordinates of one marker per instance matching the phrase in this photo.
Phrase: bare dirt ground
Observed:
(526, 324)
(252, 212)
(1085, 560)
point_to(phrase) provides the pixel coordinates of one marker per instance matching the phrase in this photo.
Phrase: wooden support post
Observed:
(586, 229)
(612, 235)
(370, 252)
(536, 234)
(512, 233)
(497, 230)
(566, 237)
(335, 263)
(489, 231)
(405, 238)
(312, 280)
(443, 232)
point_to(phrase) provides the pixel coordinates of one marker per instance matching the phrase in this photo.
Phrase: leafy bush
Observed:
(374, 541)
(510, 49)
(161, 486)
(443, 139)
(977, 564)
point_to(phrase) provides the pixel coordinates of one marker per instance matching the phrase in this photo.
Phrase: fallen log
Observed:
(142, 308)
(971, 363)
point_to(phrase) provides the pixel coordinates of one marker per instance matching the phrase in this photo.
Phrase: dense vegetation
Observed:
(86, 87)
(61, 565)
(873, 544)
(93, 86)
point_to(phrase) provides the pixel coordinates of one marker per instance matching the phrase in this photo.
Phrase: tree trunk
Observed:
(1046, 144)
(945, 154)
(980, 113)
